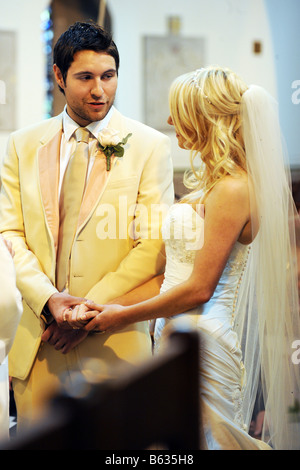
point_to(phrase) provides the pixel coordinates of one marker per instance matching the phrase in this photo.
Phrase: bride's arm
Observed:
(143, 292)
(226, 218)
(76, 316)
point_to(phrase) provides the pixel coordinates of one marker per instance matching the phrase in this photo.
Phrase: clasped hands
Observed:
(75, 318)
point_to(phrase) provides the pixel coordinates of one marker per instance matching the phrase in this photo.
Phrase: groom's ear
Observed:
(59, 78)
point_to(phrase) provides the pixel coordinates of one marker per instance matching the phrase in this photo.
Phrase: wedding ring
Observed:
(99, 332)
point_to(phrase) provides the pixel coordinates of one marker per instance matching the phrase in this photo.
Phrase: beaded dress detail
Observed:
(221, 368)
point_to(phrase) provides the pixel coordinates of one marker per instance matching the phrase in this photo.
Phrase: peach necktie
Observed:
(70, 201)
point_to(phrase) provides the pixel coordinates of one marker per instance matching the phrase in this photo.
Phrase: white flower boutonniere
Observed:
(110, 144)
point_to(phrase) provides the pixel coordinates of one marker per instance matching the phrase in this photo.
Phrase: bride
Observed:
(231, 266)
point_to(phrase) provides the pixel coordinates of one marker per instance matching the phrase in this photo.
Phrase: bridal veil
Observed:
(267, 318)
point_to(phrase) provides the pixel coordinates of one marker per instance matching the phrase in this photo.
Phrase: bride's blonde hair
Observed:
(205, 110)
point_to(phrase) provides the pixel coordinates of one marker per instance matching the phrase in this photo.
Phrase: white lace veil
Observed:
(268, 308)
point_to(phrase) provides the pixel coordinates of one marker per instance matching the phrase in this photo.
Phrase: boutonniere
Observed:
(110, 144)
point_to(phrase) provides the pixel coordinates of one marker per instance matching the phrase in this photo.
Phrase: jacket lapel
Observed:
(99, 178)
(48, 164)
(95, 187)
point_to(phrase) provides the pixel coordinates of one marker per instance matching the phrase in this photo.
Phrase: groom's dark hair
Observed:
(82, 36)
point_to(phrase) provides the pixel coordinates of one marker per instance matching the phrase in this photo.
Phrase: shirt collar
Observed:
(70, 126)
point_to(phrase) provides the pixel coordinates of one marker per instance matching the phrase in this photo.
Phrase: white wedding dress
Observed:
(221, 368)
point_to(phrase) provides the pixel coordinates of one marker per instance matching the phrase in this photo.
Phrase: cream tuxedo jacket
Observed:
(107, 258)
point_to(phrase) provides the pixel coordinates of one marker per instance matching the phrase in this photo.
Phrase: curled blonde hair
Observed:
(205, 110)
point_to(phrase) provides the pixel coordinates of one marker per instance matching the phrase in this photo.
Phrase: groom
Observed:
(64, 253)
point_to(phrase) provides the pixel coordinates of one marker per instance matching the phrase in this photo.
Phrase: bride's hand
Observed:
(73, 316)
(103, 318)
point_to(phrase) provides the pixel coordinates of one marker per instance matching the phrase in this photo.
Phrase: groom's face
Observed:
(90, 86)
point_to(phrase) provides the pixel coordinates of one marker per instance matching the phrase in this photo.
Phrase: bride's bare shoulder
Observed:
(230, 189)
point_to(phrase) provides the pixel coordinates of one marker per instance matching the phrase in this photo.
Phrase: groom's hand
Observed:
(59, 303)
(61, 339)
